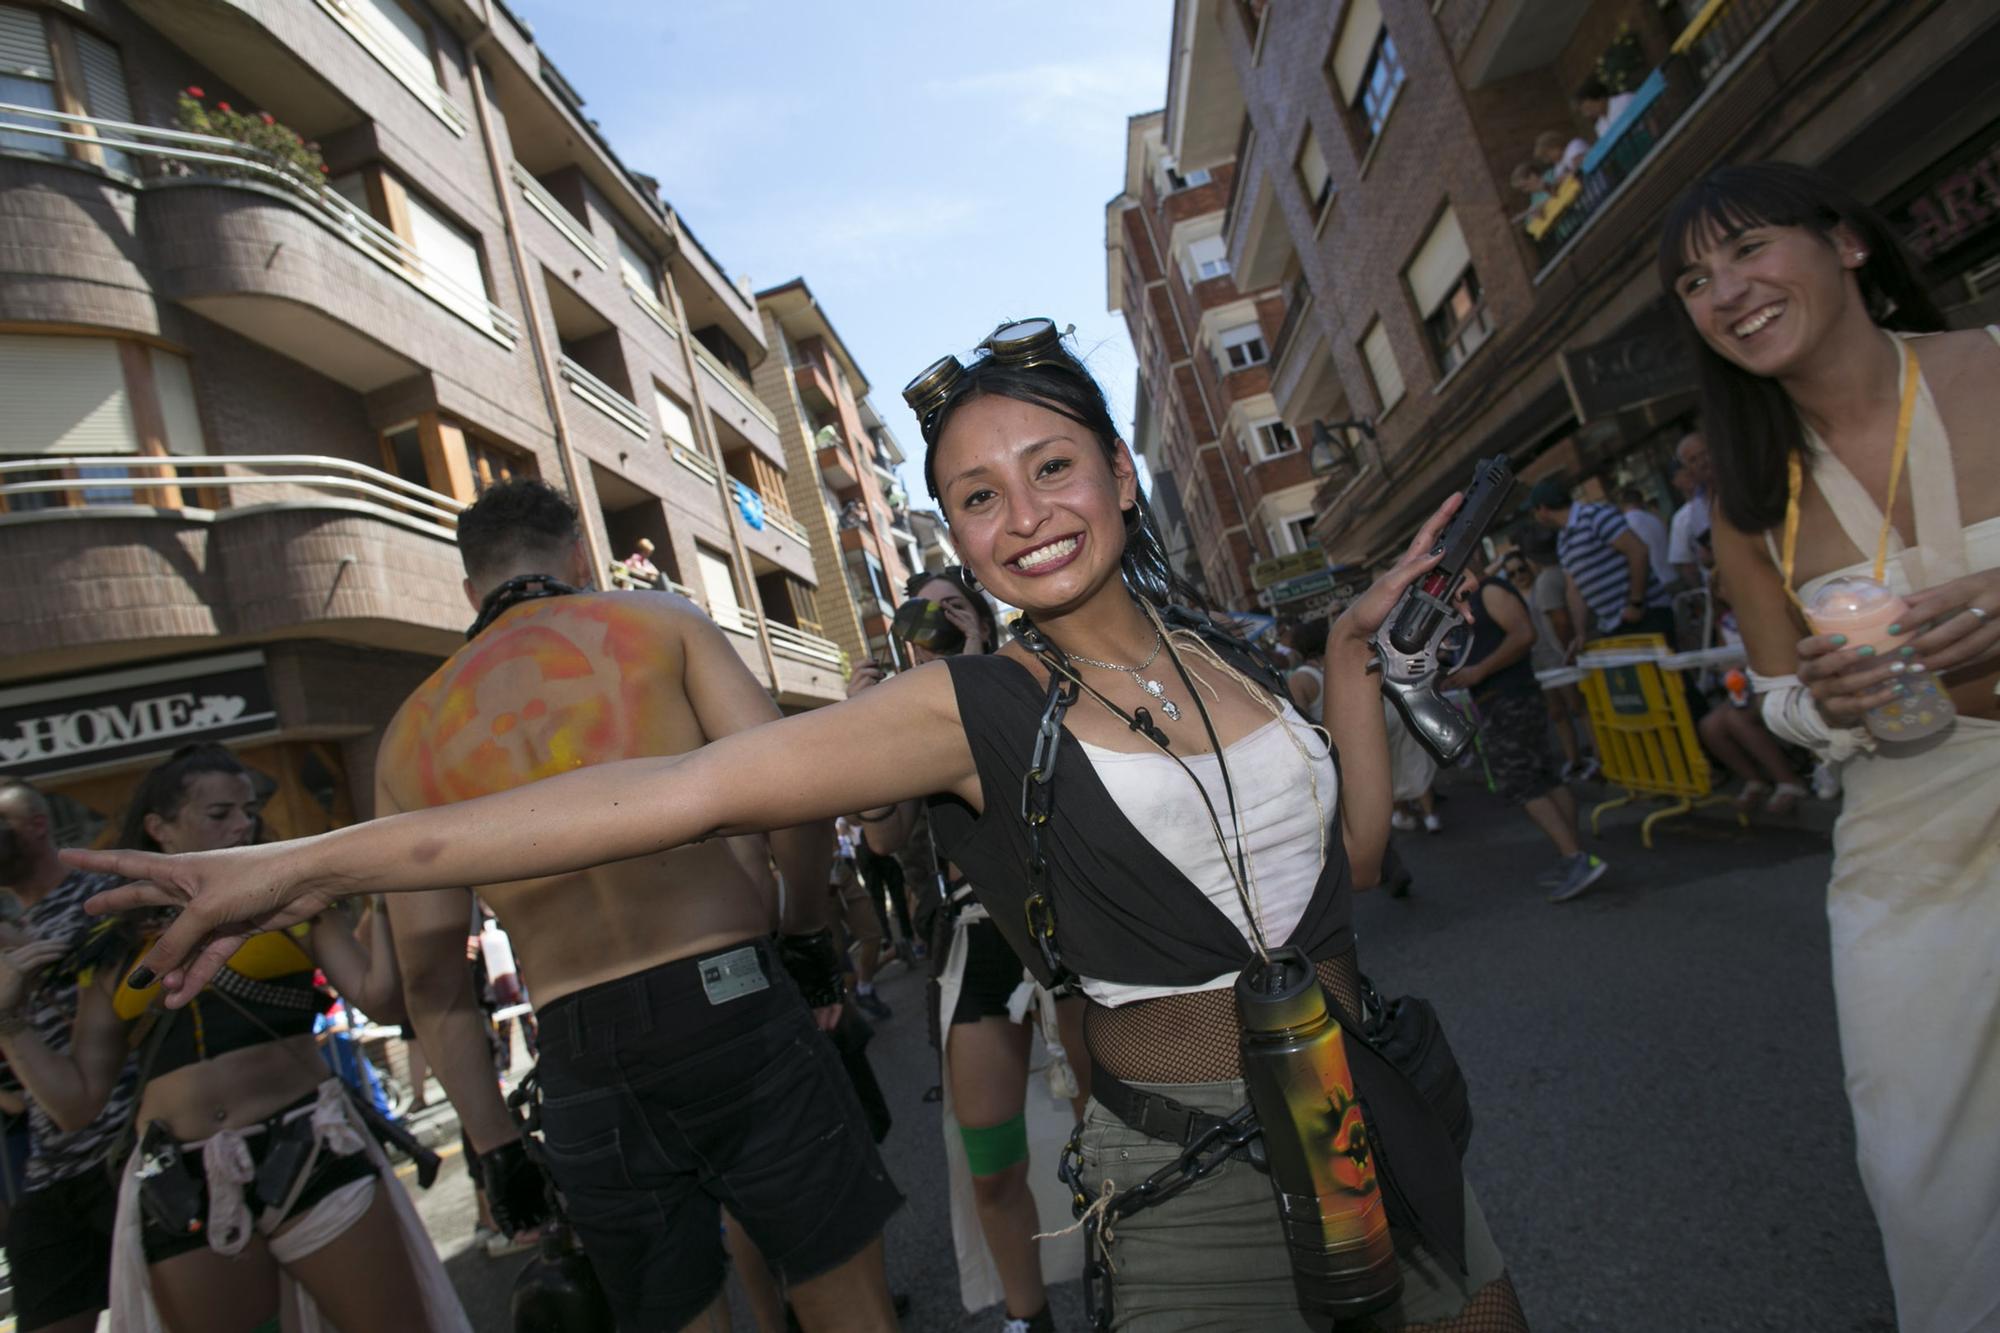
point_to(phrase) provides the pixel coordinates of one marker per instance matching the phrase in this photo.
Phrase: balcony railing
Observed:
(727, 377)
(604, 398)
(122, 479)
(805, 647)
(1298, 299)
(748, 497)
(697, 463)
(560, 218)
(411, 73)
(172, 156)
(1704, 55)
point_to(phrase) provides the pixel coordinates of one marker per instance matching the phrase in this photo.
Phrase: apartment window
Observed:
(1446, 290)
(1274, 439)
(718, 580)
(404, 36)
(1207, 258)
(450, 254)
(675, 423)
(105, 397)
(32, 75)
(1179, 180)
(636, 267)
(1297, 533)
(492, 464)
(1366, 66)
(1243, 346)
(1382, 367)
(1313, 176)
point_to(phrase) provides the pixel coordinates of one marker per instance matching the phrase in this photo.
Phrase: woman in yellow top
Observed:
(252, 1183)
(1850, 436)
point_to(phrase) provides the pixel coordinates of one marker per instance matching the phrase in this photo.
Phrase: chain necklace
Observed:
(1152, 687)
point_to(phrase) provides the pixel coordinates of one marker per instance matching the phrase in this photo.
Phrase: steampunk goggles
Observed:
(1027, 342)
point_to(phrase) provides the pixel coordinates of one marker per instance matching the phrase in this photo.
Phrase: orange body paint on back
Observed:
(586, 665)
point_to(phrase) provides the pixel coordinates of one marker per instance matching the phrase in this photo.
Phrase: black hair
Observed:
(1751, 425)
(164, 790)
(521, 517)
(1592, 89)
(1064, 387)
(958, 576)
(1309, 639)
(1631, 495)
(1537, 543)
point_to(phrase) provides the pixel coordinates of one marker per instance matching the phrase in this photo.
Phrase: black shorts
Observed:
(690, 1087)
(59, 1248)
(1514, 738)
(330, 1171)
(992, 972)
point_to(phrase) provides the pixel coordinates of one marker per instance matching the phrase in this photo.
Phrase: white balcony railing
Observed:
(697, 463)
(127, 479)
(604, 398)
(796, 643)
(727, 378)
(560, 218)
(173, 156)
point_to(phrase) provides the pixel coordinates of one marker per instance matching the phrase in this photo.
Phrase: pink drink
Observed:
(1863, 610)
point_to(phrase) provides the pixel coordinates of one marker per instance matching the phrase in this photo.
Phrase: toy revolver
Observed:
(1407, 644)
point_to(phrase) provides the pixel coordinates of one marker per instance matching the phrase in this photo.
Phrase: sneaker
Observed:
(500, 1247)
(1401, 822)
(1432, 824)
(1045, 1322)
(1554, 875)
(871, 1004)
(1580, 872)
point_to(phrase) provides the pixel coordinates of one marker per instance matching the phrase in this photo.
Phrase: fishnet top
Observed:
(1193, 1037)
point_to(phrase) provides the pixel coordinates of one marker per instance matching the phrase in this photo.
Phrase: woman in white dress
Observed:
(1822, 410)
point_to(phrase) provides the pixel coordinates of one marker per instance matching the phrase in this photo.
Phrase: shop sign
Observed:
(1266, 572)
(91, 720)
(1620, 374)
(1325, 583)
(1951, 215)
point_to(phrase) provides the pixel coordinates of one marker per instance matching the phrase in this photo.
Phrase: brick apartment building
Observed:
(247, 396)
(843, 468)
(1368, 147)
(1227, 470)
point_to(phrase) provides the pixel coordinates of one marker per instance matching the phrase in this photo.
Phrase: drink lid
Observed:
(1850, 595)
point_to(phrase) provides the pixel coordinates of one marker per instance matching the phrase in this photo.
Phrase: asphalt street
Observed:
(1662, 1144)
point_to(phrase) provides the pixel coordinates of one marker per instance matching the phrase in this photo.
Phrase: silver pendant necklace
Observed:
(1152, 687)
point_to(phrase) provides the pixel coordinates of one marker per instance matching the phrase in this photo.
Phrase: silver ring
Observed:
(1977, 613)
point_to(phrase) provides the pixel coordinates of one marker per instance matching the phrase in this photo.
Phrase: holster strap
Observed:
(1149, 1113)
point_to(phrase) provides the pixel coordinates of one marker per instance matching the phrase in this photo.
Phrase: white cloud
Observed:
(1064, 91)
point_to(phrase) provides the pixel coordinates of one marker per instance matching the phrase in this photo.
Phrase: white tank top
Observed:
(1281, 836)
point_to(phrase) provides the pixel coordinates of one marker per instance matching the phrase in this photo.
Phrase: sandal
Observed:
(1753, 795)
(1785, 799)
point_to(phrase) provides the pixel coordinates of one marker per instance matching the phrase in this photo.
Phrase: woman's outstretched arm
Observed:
(889, 744)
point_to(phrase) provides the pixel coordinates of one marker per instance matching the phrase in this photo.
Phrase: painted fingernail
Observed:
(1916, 667)
(1838, 640)
(141, 977)
(1866, 650)
(1907, 651)
(1895, 629)
(1897, 668)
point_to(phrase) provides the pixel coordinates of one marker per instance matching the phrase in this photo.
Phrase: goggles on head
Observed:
(1027, 342)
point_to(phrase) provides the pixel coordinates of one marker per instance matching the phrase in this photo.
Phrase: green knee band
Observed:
(272, 1325)
(991, 1150)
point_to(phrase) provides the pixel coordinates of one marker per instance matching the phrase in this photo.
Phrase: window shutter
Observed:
(177, 403)
(1358, 32)
(402, 33)
(1313, 173)
(1435, 270)
(24, 45)
(1204, 254)
(675, 423)
(1382, 365)
(635, 267)
(450, 254)
(64, 396)
(104, 91)
(720, 584)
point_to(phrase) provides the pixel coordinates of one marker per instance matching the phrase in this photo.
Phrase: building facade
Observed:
(843, 470)
(1432, 314)
(1211, 428)
(284, 284)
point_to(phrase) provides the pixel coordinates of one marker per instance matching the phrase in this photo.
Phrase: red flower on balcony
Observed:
(193, 91)
(224, 106)
(267, 118)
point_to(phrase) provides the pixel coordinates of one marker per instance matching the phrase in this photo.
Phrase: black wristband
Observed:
(516, 1189)
(814, 964)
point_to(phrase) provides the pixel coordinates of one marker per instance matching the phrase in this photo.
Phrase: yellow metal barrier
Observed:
(1646, 740)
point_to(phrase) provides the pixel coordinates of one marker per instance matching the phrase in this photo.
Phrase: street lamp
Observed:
(1333, 444)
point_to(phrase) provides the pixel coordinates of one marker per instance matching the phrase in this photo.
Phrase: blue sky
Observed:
(928, 168)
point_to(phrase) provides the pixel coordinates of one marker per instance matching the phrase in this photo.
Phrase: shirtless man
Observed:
(680, 1068)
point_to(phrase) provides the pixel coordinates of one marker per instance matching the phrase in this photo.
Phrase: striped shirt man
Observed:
(1603, 572)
